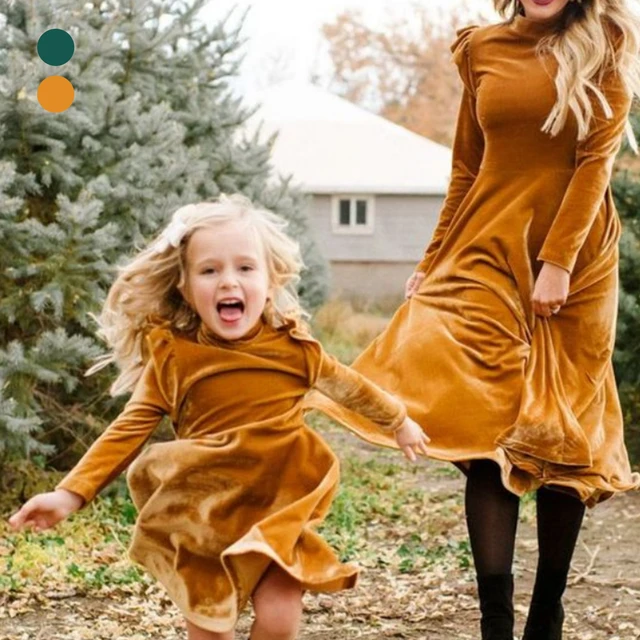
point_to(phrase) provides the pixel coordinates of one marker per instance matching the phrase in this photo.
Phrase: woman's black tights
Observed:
(492, 519)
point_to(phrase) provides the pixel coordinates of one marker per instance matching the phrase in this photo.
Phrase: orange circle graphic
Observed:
(55, 94)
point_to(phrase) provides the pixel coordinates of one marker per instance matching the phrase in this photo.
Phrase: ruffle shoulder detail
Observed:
(314, 353)
(461, 50)
(161, 350)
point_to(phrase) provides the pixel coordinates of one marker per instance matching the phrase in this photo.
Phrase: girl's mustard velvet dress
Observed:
(246, 481)
(483, 375)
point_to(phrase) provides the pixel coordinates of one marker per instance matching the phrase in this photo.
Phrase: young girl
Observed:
(206, 329)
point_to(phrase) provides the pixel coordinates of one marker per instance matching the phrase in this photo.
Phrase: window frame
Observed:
(353, 228)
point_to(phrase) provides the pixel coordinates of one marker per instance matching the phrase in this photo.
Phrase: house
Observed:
(375, 188)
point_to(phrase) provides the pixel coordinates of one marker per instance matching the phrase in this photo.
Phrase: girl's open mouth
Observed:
(230, 311)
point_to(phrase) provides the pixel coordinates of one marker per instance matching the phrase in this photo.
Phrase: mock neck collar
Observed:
(537, 28)
(208, 337)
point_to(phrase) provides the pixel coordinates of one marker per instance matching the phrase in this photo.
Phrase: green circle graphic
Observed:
(55, 47)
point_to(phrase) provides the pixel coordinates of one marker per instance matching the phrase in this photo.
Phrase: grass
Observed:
(385, 513)
(345, 332)
(87, 552)
(367, 498)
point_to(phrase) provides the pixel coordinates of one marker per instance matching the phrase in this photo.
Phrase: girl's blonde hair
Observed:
(595, 37)
(146, 293)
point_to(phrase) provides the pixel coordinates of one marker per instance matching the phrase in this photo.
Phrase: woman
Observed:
(503, 351)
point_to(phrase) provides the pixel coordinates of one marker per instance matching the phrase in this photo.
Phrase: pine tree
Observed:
(153, 125)
(627, 353)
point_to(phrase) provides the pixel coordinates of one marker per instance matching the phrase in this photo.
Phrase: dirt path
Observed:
(439, 604)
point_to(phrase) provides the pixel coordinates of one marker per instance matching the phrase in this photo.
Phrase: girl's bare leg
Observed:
(196, 633)
(277, 602)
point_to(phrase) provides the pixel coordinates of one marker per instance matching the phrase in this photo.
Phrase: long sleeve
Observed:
(123, 439)
(353, 391)
(468, 146)
(595, 156)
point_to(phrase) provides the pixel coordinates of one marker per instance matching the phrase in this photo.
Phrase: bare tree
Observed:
(402, 70)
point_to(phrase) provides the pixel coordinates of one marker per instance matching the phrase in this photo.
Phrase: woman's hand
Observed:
(411, 438)
(413, 283)
(45, 510)
(551, 290)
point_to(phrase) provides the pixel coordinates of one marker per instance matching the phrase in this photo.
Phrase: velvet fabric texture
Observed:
(246, 481)
(484, 376)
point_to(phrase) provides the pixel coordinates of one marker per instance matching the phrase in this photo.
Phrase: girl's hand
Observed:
(46, 509)
(413, 283)
(551, 290)
(411, 438)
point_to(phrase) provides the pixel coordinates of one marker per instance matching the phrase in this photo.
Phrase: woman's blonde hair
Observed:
(145, 292)
(595, 37)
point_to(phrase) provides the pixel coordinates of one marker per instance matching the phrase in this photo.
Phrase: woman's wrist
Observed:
(554, 266)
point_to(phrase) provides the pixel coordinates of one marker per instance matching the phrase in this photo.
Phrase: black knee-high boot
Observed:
(496, 605)
(546, 613)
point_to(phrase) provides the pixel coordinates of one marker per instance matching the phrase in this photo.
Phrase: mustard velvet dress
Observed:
(246, 482)
(477, 369)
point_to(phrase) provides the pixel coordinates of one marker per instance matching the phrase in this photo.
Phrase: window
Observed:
(353, 214)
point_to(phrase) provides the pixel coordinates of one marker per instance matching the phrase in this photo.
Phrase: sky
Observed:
(284, 41)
